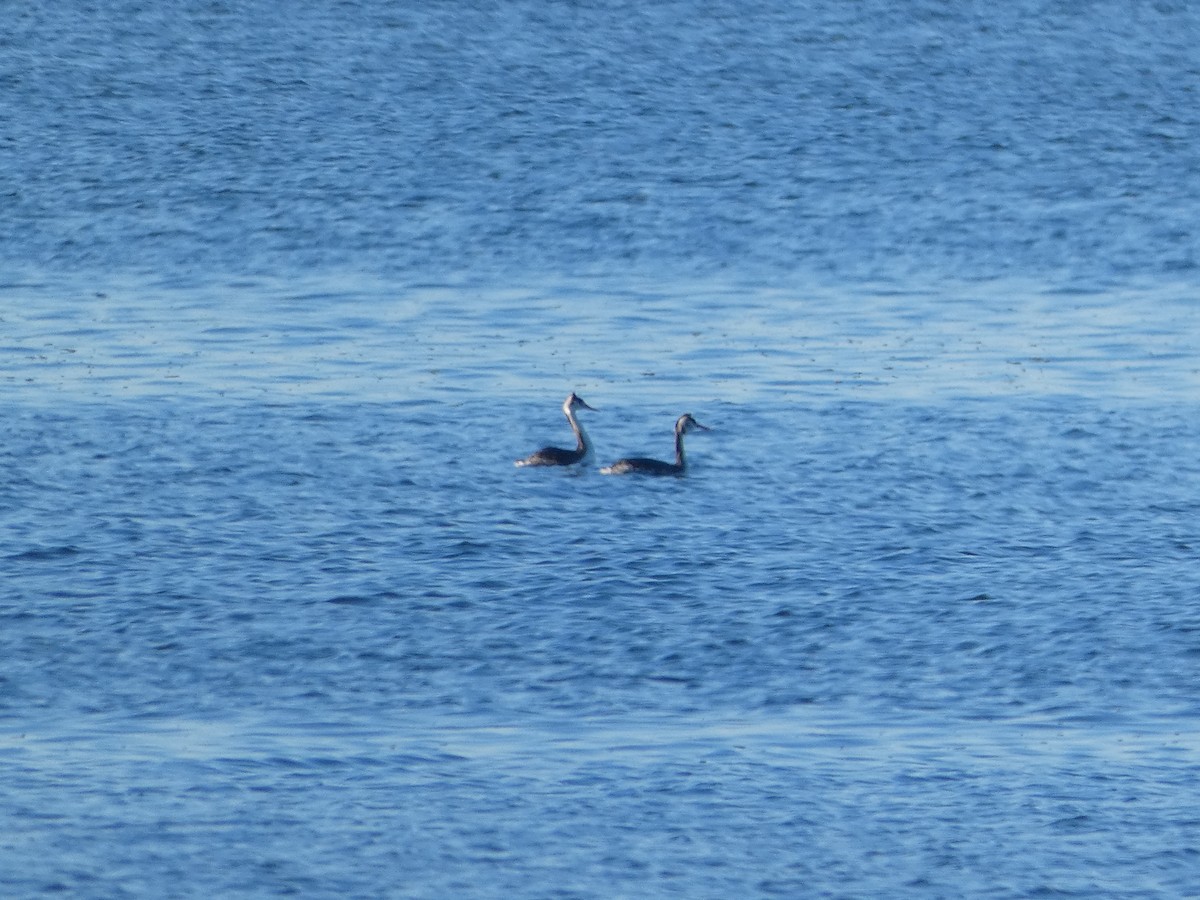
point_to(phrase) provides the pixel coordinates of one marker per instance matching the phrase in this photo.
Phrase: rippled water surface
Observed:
(284, 297)
(921, 618)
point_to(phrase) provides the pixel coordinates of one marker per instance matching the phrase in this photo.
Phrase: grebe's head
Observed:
(686, 423)
(576, 402)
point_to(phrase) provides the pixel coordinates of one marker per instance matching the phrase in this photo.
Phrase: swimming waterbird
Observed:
(642, 465)
(557, 456)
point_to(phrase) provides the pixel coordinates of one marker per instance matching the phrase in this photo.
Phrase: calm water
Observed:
(285, 296)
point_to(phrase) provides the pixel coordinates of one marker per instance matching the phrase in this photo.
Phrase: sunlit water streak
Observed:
(384, 342)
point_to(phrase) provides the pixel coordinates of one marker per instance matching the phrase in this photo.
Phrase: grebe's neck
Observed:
(680, 462)
(582, 444)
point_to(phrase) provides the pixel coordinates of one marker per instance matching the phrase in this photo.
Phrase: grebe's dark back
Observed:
(558, 456)
(645, 466)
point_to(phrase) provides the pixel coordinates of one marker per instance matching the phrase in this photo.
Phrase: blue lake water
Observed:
(283, 298)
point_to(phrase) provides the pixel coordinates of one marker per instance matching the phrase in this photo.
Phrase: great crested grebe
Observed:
(557, 456)
(642, 465)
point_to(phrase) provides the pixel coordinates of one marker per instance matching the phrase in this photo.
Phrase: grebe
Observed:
(557, 456)
(642, 465)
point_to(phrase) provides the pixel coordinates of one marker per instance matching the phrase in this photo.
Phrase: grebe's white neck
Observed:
(582, 444)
